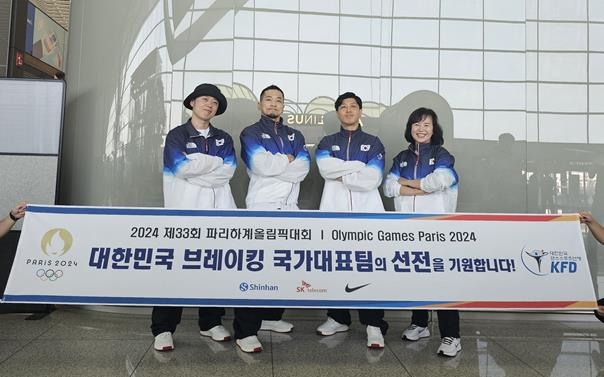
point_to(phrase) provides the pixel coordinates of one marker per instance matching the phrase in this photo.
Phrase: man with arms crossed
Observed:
(199, 161)
(277, 161)
(352, 164)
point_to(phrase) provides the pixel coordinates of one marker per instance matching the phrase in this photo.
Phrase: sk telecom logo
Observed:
(303, 286)
(56, 242)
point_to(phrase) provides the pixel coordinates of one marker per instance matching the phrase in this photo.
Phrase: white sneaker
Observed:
(414, 332)
(449, 346)
(375, 339)
(163, 342)
(217, 333)
(250, 344)
(330, 327)
(276, 326)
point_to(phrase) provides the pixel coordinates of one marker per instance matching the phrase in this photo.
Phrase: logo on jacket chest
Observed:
(191, 145)
(219, 142)
(265, 136)
(291, 137)
(365, 147)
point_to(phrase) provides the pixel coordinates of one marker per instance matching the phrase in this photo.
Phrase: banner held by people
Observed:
(302, 259)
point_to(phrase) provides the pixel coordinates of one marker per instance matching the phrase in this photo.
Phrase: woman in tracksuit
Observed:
(423, 179)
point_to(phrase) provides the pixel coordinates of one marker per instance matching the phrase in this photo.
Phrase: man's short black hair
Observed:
(271, 87)
(346, 95)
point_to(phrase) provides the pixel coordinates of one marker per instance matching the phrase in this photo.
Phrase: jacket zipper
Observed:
(279, 137)
(348, 159)
(415, 172)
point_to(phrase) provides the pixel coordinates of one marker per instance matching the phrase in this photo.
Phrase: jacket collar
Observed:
(268, 122)
(423, 148)
(345, 133)
(192, 132)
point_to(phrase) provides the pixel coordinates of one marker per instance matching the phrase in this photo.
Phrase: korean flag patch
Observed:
(291, 137)
(365, 147)
(219, 142)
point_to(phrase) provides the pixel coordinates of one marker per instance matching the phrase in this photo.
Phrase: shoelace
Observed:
(447, 340)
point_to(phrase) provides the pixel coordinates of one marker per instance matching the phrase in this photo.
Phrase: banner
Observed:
(303, 259)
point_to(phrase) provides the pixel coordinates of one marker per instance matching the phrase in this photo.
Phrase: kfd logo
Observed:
(564, 266)
(303, 287)
(541, 262)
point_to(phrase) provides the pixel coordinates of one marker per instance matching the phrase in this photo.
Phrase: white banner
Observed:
(304, 259)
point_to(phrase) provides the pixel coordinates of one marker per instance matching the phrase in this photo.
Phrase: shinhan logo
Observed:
(246, 287)
(56, 242)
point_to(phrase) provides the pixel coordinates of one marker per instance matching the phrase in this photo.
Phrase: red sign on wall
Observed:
(18, 59)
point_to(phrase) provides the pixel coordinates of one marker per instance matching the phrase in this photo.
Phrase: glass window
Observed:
(462, 94)
(562, 128)
(509, 10)
(275, 25)
(461, 9)
(468, 124)
(504, 36)
(318, 28)
(563, 67)
(415, 33)
(461, 34)
(461, 64)
(500, 122)
(554, 36)
(506, 66)
(416, 8)
(596, 94)
(319, 58)
(563, 10)
(504, 96)
(563, 98)
(414, 63)
(596, 128)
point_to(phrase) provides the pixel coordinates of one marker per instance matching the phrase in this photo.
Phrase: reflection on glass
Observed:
(523, 145)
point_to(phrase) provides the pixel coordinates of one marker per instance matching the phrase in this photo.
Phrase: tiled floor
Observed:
(77, 342)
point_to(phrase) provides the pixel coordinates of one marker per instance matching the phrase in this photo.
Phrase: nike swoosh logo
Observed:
(349, 289)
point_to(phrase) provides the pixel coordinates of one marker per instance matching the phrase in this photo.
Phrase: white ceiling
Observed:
(58, 10)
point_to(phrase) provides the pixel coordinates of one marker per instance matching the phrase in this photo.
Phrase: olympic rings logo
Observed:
(49, 274)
